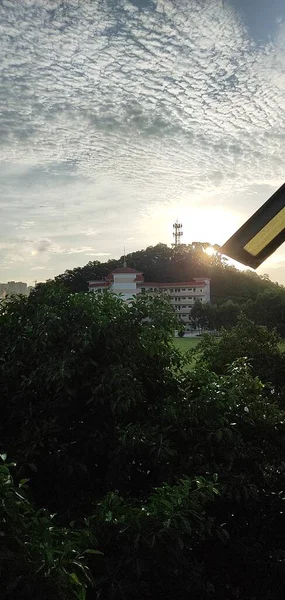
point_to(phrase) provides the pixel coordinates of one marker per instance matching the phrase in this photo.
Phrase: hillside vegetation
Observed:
(162, 263)
(233, 292)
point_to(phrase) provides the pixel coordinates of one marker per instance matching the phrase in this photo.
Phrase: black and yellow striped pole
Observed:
(261, 235)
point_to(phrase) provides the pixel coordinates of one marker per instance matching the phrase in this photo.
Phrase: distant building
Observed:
(129, 282)
(13, 287)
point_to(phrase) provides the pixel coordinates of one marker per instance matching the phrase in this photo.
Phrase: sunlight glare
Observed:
(208, 224)
(210, 251)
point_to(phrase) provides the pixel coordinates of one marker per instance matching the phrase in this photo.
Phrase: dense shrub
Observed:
(254, 342)
(176, 476)
(38, 558)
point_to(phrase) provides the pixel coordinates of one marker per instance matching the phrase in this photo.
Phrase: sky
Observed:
(119, 116)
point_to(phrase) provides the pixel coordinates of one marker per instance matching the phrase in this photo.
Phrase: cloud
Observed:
(98, 254)
(40, 268)
(90, 232)
(113, 111)
(81, 250)
(42, 246)
(26, 225)
(6, 245)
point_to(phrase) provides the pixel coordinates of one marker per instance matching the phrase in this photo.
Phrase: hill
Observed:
(162, 263)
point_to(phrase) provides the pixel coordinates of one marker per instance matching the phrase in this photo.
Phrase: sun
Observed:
(210, 251)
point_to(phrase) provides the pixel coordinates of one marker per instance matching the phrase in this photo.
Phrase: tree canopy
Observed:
(131, 476)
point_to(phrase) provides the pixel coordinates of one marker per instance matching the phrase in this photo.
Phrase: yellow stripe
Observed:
(267, 234)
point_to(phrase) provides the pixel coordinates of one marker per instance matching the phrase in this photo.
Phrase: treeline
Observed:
(123, 473)
(268, 308)
(162, 263)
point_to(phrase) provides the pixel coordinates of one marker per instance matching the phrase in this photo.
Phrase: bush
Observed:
(37, 558)
(70, 366)
(170, 474)
(247, 340)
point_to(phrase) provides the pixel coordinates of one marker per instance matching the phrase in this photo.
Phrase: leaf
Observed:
(223, 535)
(23, 482)
(14, 584)
(219, 435)
(74, 577)
(3, 456)
(86, 571)
(33, 467)
(91, 551)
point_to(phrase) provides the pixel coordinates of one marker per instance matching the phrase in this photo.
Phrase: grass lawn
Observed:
(187, 343)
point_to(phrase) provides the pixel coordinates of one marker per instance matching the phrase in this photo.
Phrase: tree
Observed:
(168, 472)
(197, 316)
(227, 314)
(268, 309)
(246, 340)
(205, 316)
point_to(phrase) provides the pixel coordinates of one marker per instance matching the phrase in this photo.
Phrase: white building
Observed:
(13, 287)
(128, 282)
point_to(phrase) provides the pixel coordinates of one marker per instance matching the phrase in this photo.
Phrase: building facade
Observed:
(128, 283)
(13, 287)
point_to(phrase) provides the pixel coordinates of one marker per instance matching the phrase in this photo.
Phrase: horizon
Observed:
(229, 262)
(119, 117)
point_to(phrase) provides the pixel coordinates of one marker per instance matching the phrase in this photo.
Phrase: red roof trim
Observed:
(175, 284)
(99, 284)
(141, 283)
(125, 270)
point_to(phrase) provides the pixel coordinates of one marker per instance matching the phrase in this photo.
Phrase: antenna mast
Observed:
(177, 233)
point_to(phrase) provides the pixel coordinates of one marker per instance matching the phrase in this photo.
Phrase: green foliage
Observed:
(232, 291)
(268, 309)
(70, 364)
(213, 316)
(177, 477)
(161, 263)
(254, 342)
(181, 330)
(35, 554)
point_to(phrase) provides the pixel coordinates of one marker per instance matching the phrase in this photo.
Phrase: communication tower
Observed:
(177, 233)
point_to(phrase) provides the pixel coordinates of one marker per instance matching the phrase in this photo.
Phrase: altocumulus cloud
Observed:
(115, 111)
